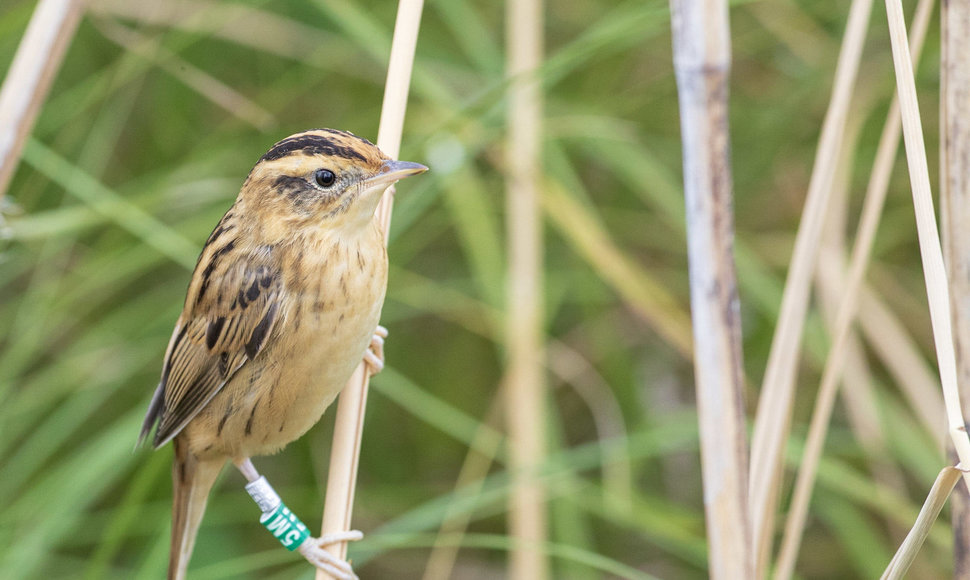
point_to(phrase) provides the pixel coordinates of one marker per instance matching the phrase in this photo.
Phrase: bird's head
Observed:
(323, 178)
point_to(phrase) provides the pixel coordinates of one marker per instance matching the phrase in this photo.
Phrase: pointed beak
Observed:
(393, 171)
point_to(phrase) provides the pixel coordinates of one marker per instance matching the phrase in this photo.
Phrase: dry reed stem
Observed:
(906, 553)
(524, 381)
(702, 60)
(929, 239)
(955, 223)
(777, 394)
(348, 427)
(858, 393)
(29, 78)
(861, 403)
(859, 399)
(831, 375)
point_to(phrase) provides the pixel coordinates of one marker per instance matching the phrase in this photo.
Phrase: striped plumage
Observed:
(282, 305)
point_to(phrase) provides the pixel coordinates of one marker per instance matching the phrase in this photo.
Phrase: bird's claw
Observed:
(374, 355)
(314, 550)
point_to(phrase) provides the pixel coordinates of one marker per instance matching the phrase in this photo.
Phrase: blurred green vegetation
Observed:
(138, 152)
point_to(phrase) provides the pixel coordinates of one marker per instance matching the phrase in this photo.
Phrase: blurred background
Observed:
(157, 115)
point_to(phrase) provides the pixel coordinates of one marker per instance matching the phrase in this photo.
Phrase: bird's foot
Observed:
(314, 550)
(374, 355)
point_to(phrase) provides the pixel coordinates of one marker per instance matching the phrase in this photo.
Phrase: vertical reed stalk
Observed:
(345, 450)
(524, 382)
(929, 239)
(841, 332)
(702, 60)
(778, 388)
(30, 76)
(955, 218)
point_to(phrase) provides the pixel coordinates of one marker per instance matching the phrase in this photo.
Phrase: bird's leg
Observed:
(290, 531)
(374, 355)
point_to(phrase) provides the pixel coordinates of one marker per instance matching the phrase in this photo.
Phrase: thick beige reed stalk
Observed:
(524, 379)
(702, 60)
(955, 218)
(30, 76)
(345, 451)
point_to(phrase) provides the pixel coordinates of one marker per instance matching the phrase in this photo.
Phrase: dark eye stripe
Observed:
(290, 186)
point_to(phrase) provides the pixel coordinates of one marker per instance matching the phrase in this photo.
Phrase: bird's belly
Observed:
(309, 382)
(276, 398)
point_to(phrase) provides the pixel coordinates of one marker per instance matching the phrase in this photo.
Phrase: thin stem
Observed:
(929, 239)
(832, 373)
(34, 67)
(904, 557)
(525, 384)
(348, 428)
(778, 388)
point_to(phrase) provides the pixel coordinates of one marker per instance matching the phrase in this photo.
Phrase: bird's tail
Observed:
(191, 481)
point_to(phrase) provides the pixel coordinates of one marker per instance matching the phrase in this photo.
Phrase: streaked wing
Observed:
(226, 322)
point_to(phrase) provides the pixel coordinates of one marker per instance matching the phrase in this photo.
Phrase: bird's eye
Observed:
(324, 177)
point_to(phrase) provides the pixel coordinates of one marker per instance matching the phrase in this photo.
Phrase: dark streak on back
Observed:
(213, 331)
(212, 266)
(258, 337)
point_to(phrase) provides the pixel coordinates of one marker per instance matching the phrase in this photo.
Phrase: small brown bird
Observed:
(283, 304)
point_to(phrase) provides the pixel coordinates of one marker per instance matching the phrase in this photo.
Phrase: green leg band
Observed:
(285, 527)
(277, 518)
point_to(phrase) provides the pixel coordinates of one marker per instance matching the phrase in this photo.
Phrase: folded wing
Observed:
(225, 324)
